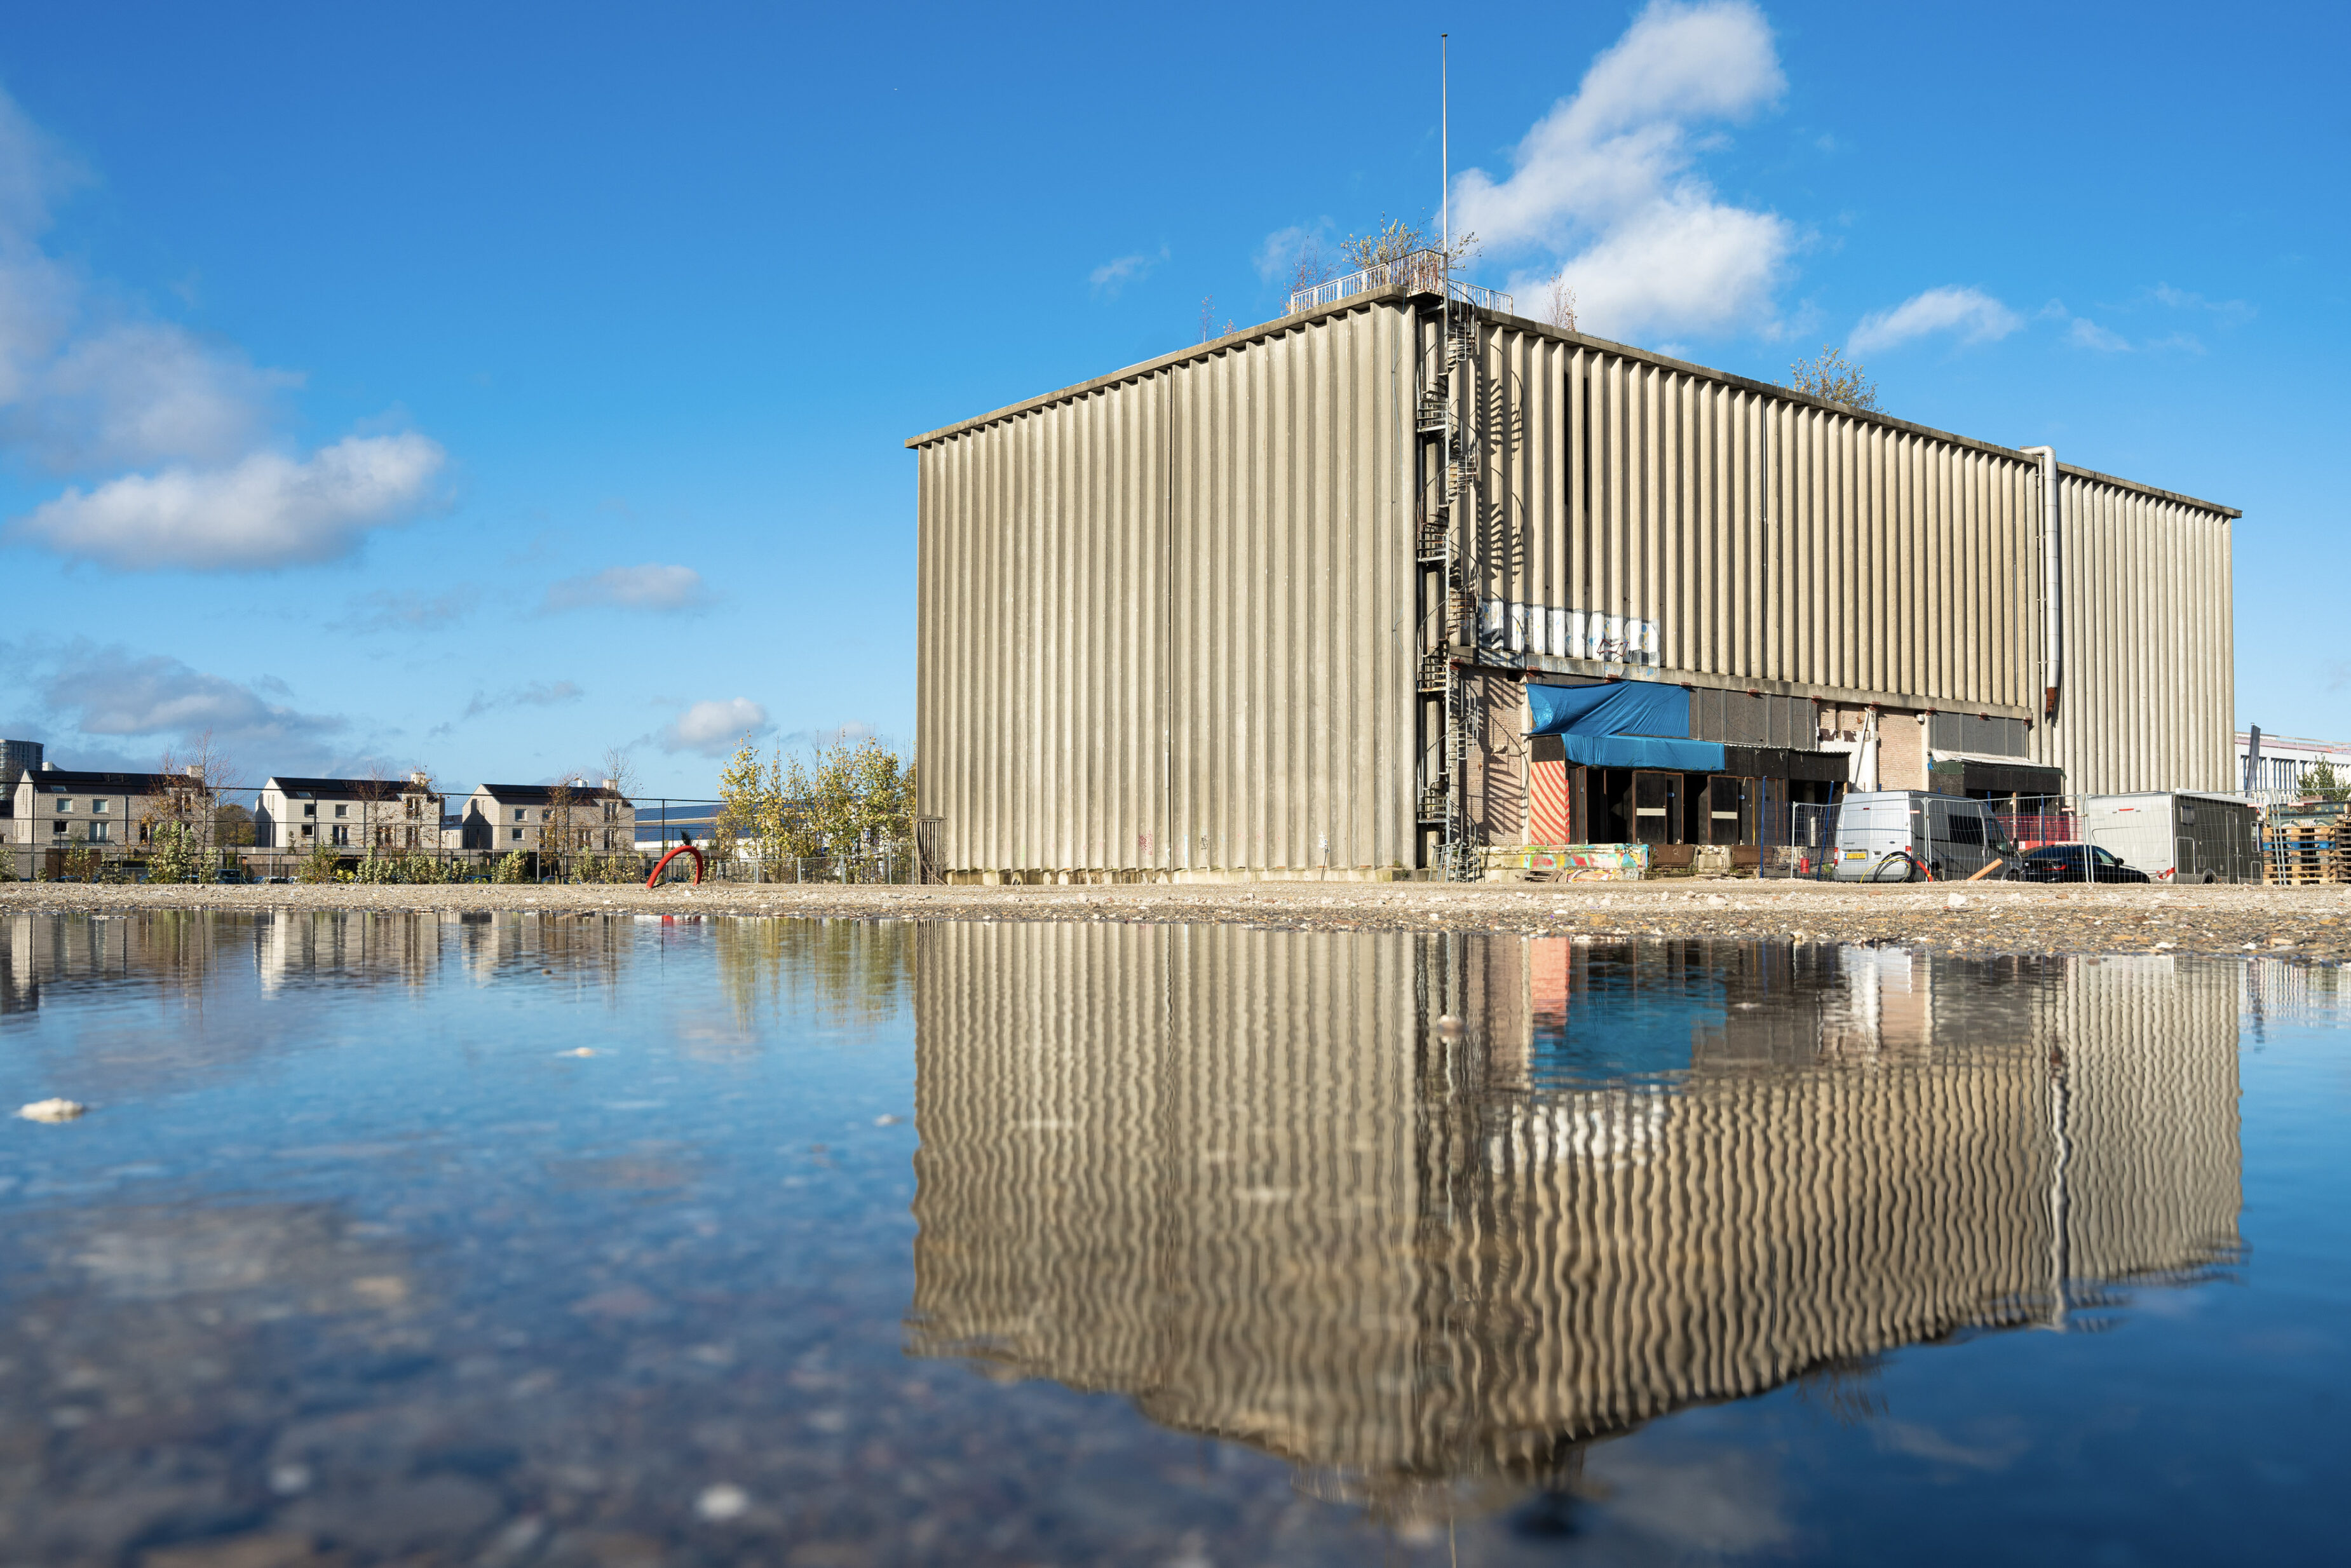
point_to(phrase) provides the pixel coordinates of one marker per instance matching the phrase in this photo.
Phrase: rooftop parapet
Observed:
(1417, 272)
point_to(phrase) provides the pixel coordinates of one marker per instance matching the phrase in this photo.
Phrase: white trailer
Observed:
(1947, 837)
(2177, 835)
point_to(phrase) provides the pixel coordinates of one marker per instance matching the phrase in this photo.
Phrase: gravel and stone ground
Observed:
(2312, 924)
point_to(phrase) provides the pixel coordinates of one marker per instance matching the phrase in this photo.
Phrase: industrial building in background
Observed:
(1402, 576)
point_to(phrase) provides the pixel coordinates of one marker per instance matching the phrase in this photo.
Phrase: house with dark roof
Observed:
(56, 808)
(397, 814)
(567, 819)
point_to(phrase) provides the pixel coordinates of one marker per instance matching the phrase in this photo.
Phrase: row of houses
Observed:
(45, 807)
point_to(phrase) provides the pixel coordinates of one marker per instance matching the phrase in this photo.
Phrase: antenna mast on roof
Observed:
(1444, 149)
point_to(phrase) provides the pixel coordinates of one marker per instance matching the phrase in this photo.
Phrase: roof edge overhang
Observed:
(1396, 295)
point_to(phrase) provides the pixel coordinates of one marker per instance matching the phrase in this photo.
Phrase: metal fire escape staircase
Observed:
(1446, 413)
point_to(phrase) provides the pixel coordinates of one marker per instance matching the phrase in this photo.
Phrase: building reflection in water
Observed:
(1245, 1178)
(180, 953)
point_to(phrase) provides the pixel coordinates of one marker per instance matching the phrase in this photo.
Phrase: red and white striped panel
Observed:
(1547, 814)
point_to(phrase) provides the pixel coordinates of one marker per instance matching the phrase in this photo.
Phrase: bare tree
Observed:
(375, 789)
(1559, 304)
(1832, 377)
(1312, 267)
(182, 820)
(555, 827)
(621, 771)
(621, 783)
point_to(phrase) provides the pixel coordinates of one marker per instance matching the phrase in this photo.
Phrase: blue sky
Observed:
(484, 387)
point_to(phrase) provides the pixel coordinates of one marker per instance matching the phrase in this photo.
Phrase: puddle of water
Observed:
(552, 1240)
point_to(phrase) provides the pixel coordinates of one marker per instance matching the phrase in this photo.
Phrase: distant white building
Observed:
(588, 818)
(398, 814)
(2285, 758)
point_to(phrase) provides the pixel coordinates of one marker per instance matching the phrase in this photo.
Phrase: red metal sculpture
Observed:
(685, 848)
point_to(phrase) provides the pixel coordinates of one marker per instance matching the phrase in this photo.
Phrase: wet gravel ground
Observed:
(2313, 923)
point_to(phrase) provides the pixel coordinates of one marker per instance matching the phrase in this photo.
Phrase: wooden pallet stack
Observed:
(2303, 854)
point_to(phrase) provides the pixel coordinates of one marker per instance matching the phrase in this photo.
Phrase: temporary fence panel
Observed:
(2178, 837)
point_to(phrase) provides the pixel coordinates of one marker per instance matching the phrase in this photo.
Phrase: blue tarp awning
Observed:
(1624, 724)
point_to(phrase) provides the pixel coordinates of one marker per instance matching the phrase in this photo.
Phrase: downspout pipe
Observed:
(2053, 583)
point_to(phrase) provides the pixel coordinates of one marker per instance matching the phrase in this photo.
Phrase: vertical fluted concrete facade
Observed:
(1239, 1177)
(1173, 622)
(1166, 619)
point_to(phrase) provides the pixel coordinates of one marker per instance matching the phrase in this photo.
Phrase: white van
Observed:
(1906, 835)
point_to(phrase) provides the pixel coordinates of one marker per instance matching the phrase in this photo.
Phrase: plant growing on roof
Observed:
(1834, 379)
(1559, 302)
(1395, 239)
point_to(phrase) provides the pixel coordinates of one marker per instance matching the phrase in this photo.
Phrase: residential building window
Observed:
(310, 810)
(341, 811)
(99, 806)
(546, 816)
(342, 834)
(519, 817)
(518, 833)
(64, 806)
(309, 830)
(411, 837)
(99, 832)
(57, 830)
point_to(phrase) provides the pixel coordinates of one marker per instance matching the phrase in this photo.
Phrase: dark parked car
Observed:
(2076, 862)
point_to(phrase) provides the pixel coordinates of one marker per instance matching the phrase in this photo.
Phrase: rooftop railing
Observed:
(1418, 272)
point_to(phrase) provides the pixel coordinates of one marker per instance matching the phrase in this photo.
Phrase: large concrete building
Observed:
(1271, 605)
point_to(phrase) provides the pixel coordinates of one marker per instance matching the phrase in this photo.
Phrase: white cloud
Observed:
(1971, 313)
(1117, 273)
(89, 387)
(647, 587)
(387, 609)
(538, 694)
(1602, 183)
(110, 691)
(140, 392)
(716, 727)
(2085, 333)
(266, 510)
(84, 384)
(1278, 257)
(2234, 312)
(33, 170)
